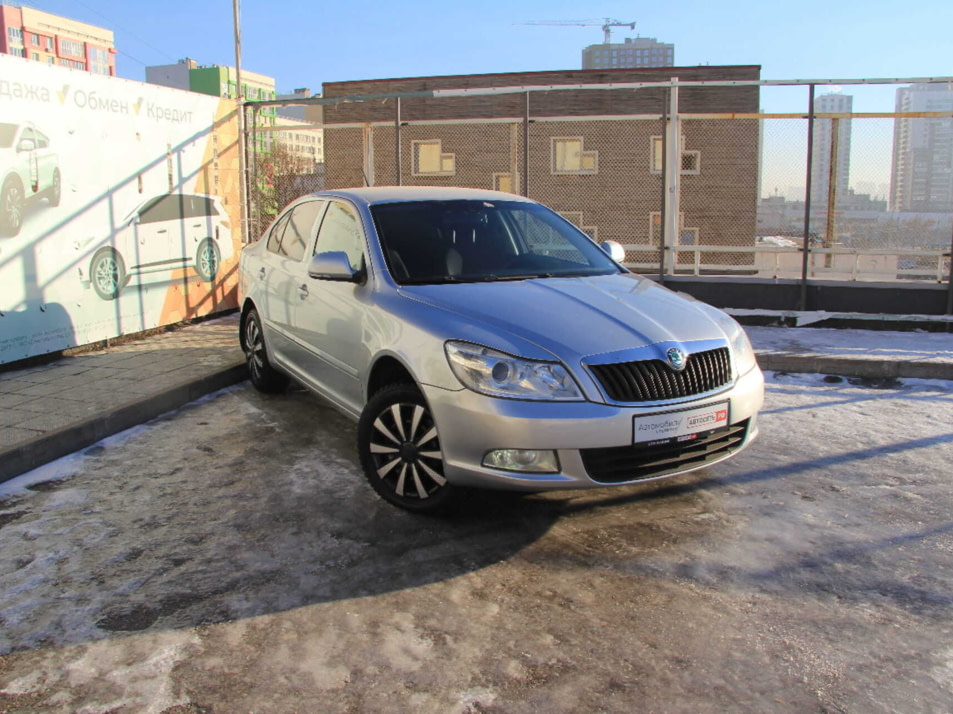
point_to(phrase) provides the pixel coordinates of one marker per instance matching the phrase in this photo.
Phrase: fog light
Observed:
(526, 460)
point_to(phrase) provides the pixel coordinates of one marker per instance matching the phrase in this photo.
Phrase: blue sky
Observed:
(303, 43)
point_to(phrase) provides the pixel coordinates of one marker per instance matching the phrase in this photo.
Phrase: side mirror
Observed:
(334, 265)
(613, 250)
(26, 145)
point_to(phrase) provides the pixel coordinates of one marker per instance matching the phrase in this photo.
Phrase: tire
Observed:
(107, 273)
(400, 452)
(263, 376)
(207, 260)
(55, 191)
(11, 207)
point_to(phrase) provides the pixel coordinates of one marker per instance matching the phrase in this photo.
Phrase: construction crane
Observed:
(606, 24)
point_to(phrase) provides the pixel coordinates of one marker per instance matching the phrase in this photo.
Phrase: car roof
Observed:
(392, 194)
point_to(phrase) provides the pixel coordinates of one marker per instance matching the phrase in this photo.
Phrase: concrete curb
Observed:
(30, 455)
(872, 368)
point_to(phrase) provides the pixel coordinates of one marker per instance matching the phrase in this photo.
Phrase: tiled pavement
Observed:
(51, 410)
(57, 408)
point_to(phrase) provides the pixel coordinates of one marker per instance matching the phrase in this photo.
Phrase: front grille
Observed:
(653, 380)
(636, 462)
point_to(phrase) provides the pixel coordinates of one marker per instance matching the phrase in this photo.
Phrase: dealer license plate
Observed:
(682, 425)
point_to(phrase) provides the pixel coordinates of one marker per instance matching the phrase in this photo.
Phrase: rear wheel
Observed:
(400, 452)
(107, 274)
(263, 376)
(207, 260)
(11, 207)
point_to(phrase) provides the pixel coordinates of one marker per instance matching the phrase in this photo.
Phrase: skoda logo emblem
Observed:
(676, 358)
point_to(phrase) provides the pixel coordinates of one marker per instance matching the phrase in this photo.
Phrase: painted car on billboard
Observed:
(30, 171)
(174, 230)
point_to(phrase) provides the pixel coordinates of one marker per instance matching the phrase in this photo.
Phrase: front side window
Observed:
(341, 231)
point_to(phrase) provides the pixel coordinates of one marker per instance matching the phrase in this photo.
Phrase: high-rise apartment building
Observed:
(221, 81)
(825, 157)
(633, 53)
(921, 177)
(43, 37)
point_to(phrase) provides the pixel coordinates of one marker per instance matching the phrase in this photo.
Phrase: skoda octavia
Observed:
(481, 340)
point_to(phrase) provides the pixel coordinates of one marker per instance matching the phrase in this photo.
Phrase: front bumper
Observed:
(472, 424)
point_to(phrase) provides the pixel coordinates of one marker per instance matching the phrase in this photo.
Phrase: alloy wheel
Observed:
(405, 449)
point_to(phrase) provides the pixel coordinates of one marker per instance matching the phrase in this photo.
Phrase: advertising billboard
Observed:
(119, 207)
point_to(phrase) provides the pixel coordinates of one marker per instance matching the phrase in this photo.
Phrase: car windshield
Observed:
(427, 242)
(7, 132)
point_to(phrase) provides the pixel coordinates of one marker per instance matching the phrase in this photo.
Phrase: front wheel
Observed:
(399, 446)
(264, 377)
(55, 191)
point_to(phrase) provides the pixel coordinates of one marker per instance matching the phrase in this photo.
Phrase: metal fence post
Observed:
(400, 171)
(830, 231)
(661, 238)
(525, 182)
(949, 286)
(806, 249)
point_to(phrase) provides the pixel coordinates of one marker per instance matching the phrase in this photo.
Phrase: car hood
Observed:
(576, 318)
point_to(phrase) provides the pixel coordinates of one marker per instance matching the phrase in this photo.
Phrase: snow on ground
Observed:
(868, 344)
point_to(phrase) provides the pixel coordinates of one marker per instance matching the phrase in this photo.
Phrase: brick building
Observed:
(593, 155)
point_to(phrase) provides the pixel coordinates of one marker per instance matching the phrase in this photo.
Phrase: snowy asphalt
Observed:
(230, 557)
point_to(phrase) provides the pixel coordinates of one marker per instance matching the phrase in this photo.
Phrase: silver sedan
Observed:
(481, 340)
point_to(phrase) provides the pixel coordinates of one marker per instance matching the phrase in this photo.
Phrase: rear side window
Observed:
(165, 208)
(293, 232)
(274, 237)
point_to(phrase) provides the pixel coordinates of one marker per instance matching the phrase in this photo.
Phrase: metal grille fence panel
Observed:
(868, 198)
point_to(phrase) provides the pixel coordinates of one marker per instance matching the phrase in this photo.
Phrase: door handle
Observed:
(261, 274)
(163, 230)
(303, 290)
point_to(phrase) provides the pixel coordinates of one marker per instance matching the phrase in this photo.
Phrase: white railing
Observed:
(838, 263)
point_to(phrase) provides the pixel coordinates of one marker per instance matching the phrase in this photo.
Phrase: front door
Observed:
(330, 315)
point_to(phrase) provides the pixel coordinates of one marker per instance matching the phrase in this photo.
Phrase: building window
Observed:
(686, 236)
(18, 52)
(568, 156)
(575, 217)
(71, 48)
(48, 42)
(15, 35)
(35, 56)
(691, 160)
(429, 160)
(34, 38)
(503, 182)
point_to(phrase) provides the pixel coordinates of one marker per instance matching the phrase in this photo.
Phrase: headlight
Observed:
(741, 349)
(498, 374)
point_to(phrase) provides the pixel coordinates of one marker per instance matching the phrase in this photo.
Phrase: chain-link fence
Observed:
(850, 184)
